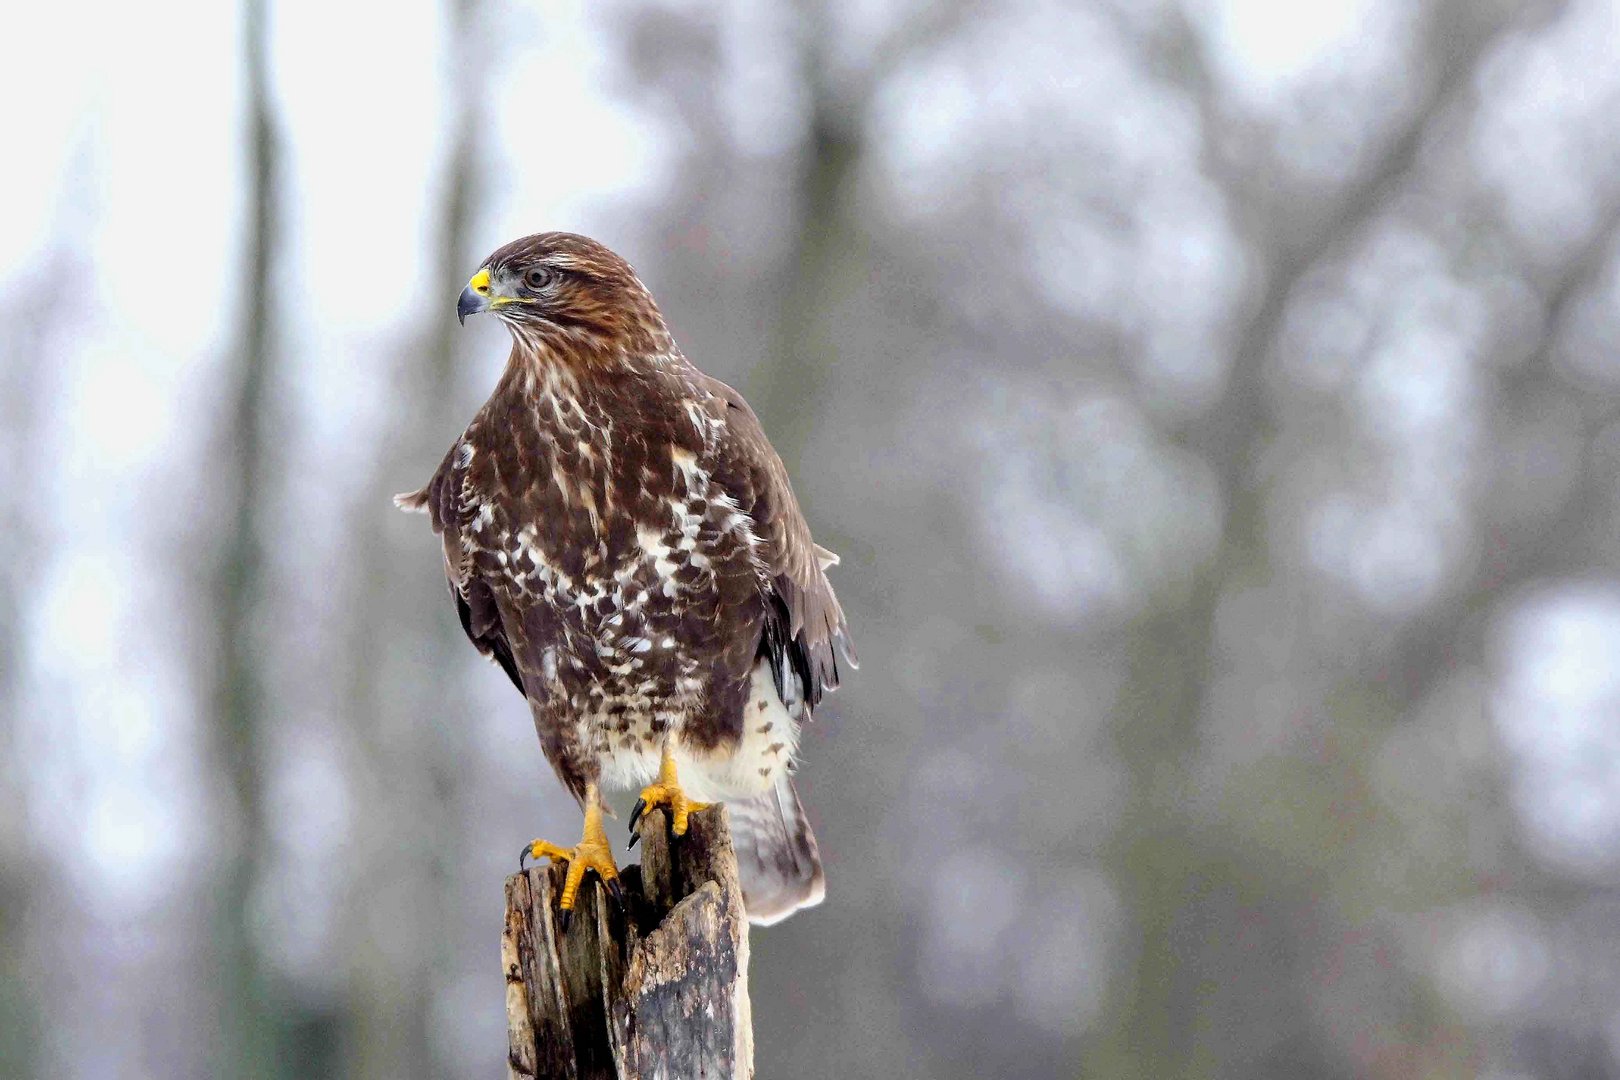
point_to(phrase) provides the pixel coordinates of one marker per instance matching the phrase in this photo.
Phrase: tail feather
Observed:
(777, 857)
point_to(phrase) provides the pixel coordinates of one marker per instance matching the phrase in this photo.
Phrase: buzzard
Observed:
(622, 540)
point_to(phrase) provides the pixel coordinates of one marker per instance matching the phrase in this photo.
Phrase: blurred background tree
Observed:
(1214, 402)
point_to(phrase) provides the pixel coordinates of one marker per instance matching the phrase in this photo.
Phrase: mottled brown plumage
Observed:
(621, 538)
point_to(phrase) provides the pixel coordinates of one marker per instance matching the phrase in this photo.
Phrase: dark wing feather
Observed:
(805, 631)
(475, 602)
(482, 621)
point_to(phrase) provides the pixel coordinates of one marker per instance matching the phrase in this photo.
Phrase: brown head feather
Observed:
(571, 296)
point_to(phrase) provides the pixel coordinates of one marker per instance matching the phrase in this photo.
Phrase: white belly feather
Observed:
(769, 743)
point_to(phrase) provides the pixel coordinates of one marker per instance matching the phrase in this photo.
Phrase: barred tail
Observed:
(776, 854)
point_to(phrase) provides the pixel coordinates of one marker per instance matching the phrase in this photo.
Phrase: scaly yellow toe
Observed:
(666, 792)
(591, 853)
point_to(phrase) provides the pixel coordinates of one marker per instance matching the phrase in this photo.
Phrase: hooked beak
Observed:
(475, 297)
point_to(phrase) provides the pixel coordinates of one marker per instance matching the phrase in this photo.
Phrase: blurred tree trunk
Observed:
(825, 242)
(24, 347)
(266, 1032)
(403, 690)
(829, 254)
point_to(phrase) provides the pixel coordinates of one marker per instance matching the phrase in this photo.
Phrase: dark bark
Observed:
(659, 989)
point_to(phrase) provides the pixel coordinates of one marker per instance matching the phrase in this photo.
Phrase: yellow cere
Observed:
(480, 282)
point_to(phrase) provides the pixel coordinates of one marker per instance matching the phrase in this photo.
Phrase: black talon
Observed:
(524, 856)
(635, 838)
(635, 815)
(616, 891)
(564, 919)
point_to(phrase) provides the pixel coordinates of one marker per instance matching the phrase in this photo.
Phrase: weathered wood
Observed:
(658, 990)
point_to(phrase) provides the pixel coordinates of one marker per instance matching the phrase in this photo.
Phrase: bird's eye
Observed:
(537, 278)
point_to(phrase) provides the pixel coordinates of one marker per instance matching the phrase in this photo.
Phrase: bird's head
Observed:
(560, 290)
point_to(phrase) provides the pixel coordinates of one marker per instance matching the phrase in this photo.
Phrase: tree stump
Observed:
(659, 989)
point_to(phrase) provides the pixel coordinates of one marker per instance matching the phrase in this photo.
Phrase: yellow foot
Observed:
(666, 792)
(591, 853)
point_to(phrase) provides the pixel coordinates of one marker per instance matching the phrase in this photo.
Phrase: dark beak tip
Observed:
(470, 304)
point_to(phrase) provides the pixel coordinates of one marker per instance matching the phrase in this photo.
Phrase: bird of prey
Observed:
(622, 540)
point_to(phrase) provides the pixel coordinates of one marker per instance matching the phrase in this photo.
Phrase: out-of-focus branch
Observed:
(1228, 434)
(1166, 858)
(1429, 646)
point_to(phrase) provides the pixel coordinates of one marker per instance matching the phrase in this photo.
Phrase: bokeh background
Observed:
(1215, 403)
